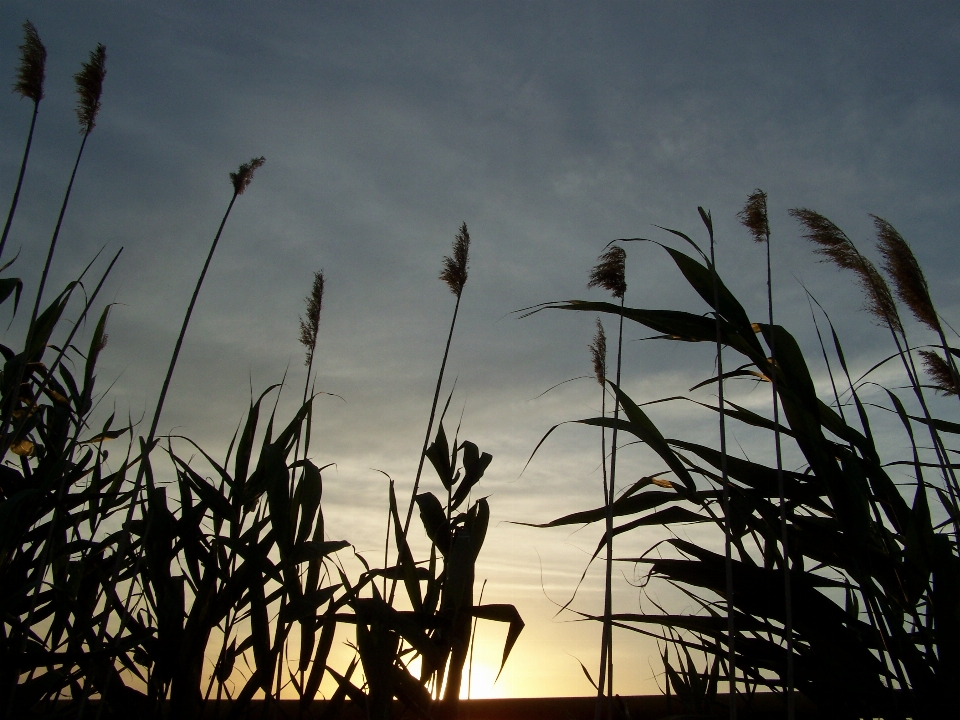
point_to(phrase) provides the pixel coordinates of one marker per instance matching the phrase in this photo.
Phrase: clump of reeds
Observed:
(879, 648)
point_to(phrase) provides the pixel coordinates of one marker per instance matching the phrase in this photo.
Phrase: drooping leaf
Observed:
(505, 614)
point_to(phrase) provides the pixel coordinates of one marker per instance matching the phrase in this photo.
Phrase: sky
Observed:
(550, 129)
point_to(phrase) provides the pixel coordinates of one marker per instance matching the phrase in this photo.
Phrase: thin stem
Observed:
(728, 560)
(787, 593)
(426, 440)
(606, 499)
(607, 643)
(23, 170)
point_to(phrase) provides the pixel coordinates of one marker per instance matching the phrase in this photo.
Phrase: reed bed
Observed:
(840, 580)
(123, 596)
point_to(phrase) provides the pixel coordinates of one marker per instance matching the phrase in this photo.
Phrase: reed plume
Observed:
(310, 325)
(610, 274)
(902, 267)
(754, 218)
(242, 178)
(598, 354)
(944, 381)
(89, 87)
(837, 248)
(29, 84)
(454, 272)
(32, 70)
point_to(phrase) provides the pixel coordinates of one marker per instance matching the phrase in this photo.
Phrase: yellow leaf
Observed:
(661, 483)
(55, 396)
(24, 448)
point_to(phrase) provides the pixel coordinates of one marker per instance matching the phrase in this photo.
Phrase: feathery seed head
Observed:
(33, 59)
(837, 248)
(242, 178)
(89, 87)
(310, 326)
(902, 267)
(598, 353)
(939, 371)
(610, 272)
(754, 216)
(454, 272)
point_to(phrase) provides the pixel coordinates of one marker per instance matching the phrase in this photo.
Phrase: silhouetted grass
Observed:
(169, 599)
(843, 583)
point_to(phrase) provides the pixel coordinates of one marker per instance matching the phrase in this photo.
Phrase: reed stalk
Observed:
(598, 353)
(725, 480)
(610, 274)
(240, 180)
(309, 334)
(754, 218)
(454, 275)
(29, 84)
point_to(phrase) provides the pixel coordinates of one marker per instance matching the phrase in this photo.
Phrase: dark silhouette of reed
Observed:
(610, 274)
(754, 218)
(29, 84)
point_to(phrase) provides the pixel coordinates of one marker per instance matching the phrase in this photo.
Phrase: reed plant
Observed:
(610, 274)
(754, 217)
(454, 276)
(872, 564)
